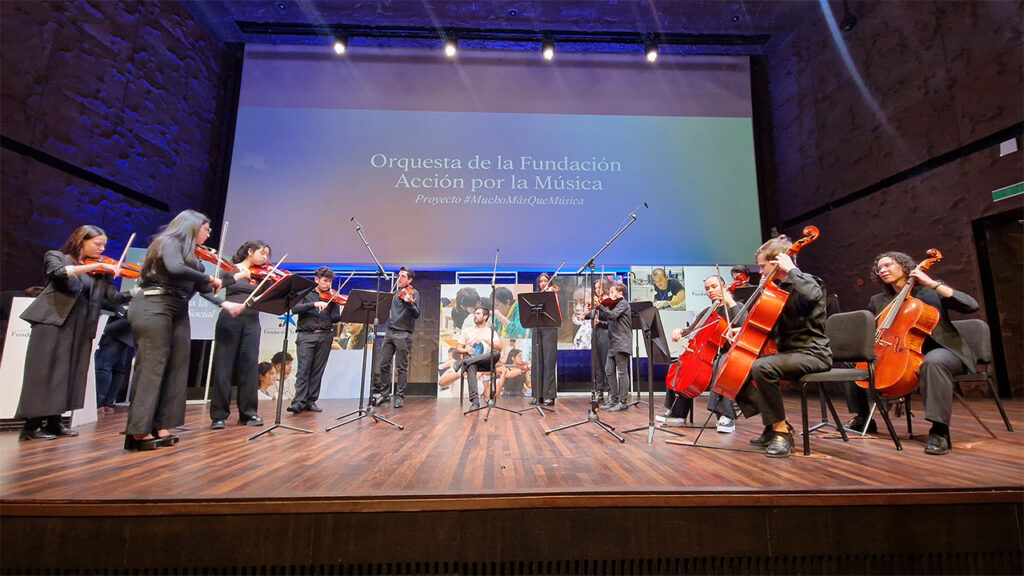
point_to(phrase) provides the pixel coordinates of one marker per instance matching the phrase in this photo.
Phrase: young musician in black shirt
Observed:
(405, 309)
(315, 333)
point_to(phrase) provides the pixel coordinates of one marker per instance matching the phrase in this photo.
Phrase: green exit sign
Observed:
(1008, 192)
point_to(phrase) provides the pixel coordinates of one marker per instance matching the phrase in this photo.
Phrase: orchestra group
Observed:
(739, 352)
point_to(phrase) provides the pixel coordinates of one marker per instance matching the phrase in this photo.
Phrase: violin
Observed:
(610, 301)
(267, 272)
(210, 255)
(765, 308)
(408, 292)
(741, 279)
(339, 299)
(129, 271)
(902, 328)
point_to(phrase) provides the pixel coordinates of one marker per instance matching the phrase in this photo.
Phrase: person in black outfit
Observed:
(544, 355)
(110, 360)
(315, 328)
(679, 406)
(620, 335)
(599, 351)
(237, 343)
(945, 352)
(63, 319)
(171, 275)
(405, 309)
(802, 343)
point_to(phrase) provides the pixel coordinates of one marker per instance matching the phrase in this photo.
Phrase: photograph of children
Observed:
(583, 298)
(458, 303)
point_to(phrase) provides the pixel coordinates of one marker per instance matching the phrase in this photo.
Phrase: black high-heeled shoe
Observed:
(130, 443)
(170, 440)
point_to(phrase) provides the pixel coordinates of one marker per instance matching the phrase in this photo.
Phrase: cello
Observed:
(765, 308)
(902, 329)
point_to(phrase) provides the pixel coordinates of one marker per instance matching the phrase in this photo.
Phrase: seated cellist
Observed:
(803, 347)
(679, 406)
(945, 353)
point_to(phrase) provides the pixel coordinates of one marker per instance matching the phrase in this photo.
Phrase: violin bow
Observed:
(250, 299)
(220, 249)
(125, 251)
(336, 292)
(718, 271)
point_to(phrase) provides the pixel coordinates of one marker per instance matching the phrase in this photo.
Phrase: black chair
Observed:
(852, 339)
(977, 335)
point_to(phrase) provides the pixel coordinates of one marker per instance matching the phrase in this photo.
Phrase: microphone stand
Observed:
(368, 411)
(492, 402)
(592, 412)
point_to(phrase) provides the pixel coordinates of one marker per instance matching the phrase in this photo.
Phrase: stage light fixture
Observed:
(548, 50)
(650, 47)
(340, 45)
(450, 47)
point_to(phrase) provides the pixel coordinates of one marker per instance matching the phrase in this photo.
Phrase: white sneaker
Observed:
(675, 422)
(726, 425)
(661, 417)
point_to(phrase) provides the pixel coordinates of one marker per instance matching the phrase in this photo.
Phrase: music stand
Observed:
(637, 324)
(543, 312)
(657, 352)
(359, 308)
(278, 300)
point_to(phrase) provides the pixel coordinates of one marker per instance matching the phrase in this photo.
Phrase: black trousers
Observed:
(617, 368)
(545, 358)
(479, 363)
(236, 363)
(769, 372)
(162, 335)
(312, 351)
(394, 355)
(598, 357)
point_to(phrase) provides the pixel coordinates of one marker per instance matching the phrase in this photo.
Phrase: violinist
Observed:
(945, 353)
(315, 336)
(599, 351)
(237, 343)
(679, 406)
(63, 319)
(405, 309)
(615, 310)
(171, 275)
(803, 347)
(545, 355)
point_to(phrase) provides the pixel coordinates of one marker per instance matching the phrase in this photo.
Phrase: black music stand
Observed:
(657, 352)
(359, 308)
(637, 324)
(542, 312)
(278, 300)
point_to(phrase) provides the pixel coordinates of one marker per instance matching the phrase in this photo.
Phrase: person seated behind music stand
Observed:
(475, 344)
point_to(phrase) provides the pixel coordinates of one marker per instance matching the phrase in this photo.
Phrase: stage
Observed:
(458, 494)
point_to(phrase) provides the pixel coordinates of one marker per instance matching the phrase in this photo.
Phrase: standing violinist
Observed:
(679, 406)
(615, 310)
(63, 319)
(802, 344)
(237, 343)
(317, 313)
(945, 353)
(544, 354)
(171, 275)
(405, 309)
(599, 351)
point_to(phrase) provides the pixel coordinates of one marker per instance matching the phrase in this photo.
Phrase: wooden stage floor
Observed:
(443, 460)
(455, 494)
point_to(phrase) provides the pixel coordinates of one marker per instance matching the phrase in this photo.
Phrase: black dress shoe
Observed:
(218, 425)
(764, 439)
(254, 421)
(62, 430)
(312, 407)
(856, 424)
(295, 408)
(458, 365)
(549, 402)
(130, 443)
(937, 445)
(37, 434)
(781, 445)
(169, 440)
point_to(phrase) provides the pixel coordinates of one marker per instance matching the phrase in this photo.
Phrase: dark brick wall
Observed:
(134, 92)
(937, 76)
